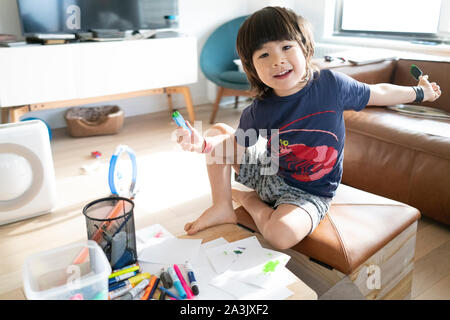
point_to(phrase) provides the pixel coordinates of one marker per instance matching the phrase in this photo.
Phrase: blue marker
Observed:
(177, 283)
(118, 285)
(179, 120)
(170, 294)
(191, 276)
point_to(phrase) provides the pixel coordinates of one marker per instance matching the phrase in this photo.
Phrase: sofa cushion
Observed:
(421, 134)
(401, 157)
(357, 225)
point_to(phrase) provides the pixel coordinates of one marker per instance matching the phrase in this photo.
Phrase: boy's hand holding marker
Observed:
(188, 137)
(431, 91)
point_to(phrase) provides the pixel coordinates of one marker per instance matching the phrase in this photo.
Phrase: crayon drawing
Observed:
(223, 257)
(270, 266)
(258, 266)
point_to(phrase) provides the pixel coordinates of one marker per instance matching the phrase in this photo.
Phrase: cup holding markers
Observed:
(114, 233)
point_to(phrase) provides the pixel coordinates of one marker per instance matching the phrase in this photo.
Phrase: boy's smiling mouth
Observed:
(283, 74)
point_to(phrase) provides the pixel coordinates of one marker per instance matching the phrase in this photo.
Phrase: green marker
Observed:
(179, 120)
(415, 71)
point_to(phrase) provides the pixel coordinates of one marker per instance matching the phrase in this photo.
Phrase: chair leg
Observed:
(5, 115)
(216, 105)
(189, 105)
(16, 112)
(184, 90)
(236, 101)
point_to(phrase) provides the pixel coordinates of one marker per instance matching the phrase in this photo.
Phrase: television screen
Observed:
(73, 16)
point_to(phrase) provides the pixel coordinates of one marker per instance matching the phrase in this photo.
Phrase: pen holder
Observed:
(110, 223)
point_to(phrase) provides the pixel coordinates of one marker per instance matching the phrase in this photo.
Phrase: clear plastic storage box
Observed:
(52, 274)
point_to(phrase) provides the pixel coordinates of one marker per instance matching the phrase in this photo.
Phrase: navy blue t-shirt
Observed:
(311, 130)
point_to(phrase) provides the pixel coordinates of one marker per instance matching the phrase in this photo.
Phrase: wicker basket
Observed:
(94, 121)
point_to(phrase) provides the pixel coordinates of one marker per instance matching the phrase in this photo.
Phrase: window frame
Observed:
(432, 38)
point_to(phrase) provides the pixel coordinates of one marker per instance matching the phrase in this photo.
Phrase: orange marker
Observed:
(149, 288)
(118, 208)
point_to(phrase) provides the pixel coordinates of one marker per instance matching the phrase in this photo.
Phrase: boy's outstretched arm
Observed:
(386, 94)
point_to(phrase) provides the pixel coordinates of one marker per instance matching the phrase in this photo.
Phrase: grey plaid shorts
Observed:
(273, 190)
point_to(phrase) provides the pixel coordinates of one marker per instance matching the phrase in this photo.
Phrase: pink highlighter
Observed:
(186, 288)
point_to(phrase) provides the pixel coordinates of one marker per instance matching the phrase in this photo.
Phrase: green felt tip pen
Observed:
(415, 71)
(179, 120)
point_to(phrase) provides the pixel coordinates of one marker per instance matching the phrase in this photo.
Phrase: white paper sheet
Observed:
(244, 291)
(259, 267)
(204, 272)
(222, 257)
(150, 235)
(154, 234)
(215, 286)
(171, 251)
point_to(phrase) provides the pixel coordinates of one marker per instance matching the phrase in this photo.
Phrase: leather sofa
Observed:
(395, 155)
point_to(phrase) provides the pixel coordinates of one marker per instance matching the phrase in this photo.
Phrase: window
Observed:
(395, 19)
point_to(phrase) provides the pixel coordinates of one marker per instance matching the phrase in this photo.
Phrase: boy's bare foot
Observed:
(215, 215)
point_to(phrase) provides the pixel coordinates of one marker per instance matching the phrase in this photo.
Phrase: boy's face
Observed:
(281, 66)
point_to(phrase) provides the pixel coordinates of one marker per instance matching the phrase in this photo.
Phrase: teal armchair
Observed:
(216, 63)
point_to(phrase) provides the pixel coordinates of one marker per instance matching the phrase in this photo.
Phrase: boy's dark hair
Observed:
(272, 24)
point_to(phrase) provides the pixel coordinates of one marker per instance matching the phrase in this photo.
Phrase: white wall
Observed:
(197, 17)
(200, 18)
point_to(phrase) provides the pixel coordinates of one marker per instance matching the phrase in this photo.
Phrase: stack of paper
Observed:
(158, 249)
(246, 270)
(224, 271)
(151, 235)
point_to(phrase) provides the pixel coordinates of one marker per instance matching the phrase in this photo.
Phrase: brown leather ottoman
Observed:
(365, 240)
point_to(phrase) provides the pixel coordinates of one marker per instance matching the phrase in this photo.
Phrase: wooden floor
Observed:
(174, 189)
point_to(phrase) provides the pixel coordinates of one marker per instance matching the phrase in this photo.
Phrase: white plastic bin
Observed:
(51, 275)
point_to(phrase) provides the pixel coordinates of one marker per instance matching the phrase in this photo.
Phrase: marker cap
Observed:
(195, 290)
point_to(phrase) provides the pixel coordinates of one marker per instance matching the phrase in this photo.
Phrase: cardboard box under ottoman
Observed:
(363, 249)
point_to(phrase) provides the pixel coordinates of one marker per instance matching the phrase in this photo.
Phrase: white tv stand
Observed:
(37, 77)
